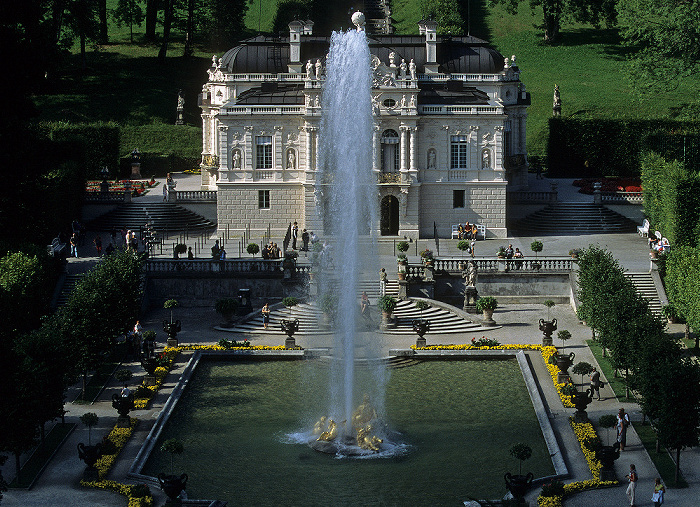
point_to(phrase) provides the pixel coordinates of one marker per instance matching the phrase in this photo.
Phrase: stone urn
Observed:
(563, 363)
(518, 484)
(547, 327)
(172, 329)
(420, 326)
(172, 485)
(290, 326)
(89, 454)
(581, 401)
(149, 364)
(123, 404)
(488, 317)
(607, 455)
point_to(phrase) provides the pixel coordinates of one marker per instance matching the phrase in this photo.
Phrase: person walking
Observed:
(595, 383)
(295, 235)
(74, 245)
(383, 278)
(659, 492)
(305, 240)
(632, 487)
(266, 315)
(623, 421)
(98, 245)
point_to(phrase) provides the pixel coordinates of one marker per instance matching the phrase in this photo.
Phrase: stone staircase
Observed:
(572, 218)
(313, 322)
(69, 283)
(163, 217)
(646, 288)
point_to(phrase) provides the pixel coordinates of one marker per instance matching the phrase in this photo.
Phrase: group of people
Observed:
(467, 231)
(218, 252)
(659, 244)
(271, 251)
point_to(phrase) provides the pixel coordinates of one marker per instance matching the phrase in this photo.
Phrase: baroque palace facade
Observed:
(449, 132)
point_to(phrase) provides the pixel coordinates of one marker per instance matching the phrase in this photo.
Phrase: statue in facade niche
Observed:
(319, 71)
(236, 159)
(431, 159)
(291, 159)
(403, 68)
(412, 69)
(392, 59)
(556, 104)
(486, 159)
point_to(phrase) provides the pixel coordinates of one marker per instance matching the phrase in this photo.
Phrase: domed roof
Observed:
(459, 55)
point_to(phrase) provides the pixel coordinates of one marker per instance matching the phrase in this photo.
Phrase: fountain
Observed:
(349, 188)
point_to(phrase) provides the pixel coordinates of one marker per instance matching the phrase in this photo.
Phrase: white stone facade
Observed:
(446, 145)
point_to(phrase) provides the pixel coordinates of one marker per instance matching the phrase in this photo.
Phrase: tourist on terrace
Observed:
(266, 315)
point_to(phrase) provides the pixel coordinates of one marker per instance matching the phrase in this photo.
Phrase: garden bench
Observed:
(480, 234)
(643, 230)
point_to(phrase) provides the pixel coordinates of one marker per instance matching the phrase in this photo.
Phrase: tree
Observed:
(128, 12)
(666, 35)
(446, 13)
(81, 19)
(103, 36)
(167, 23)
(682, 282)
(224, 22)
(595, 12)
(152, 8)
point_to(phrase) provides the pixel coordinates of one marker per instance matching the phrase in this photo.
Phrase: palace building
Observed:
(449, 132)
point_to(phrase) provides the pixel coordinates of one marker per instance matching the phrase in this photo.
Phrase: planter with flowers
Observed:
(548, 326)
(486, 305)
(173, 327)
(519, 484)
(386, 304)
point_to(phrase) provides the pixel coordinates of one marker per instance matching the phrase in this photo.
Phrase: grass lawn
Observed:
(614, 385)
(42, 454)
(663, 462)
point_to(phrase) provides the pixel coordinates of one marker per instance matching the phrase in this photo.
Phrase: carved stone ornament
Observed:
(381, 74)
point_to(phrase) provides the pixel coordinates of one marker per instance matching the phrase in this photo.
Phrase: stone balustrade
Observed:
(531, 197)
(622, 197)
(196, 195)
(204, 266)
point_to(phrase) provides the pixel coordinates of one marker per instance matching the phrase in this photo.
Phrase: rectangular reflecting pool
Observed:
(456, 420)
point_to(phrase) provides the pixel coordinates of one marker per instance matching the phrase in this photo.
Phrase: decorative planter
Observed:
(488, 317)
(123, 404)
(89, 454)
(386, 321)
(401, 275)
(290, 326)
(607, 456)
(172, 485)
(548, 327)
(518, 484)
(421, 326)
(172, 329)
(581, 401)
(563, 361)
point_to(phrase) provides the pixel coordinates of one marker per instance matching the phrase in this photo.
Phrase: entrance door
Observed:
(389, 219)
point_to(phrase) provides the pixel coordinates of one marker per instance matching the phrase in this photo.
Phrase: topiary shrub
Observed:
(252, 248)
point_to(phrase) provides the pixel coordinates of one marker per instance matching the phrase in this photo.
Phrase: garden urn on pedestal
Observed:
(519, 484)
(581, 400)
(290, 326)
(123, 404)
(486, 305)
(386, 304)
(173, 327)
(420, 326)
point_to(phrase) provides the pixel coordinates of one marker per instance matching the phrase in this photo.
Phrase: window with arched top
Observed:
(390, 151)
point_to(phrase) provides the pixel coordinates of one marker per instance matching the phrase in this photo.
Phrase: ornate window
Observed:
(458, 152)
(263, 152)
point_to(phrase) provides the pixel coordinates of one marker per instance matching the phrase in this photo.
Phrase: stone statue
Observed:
(506, 63)
(317, 102)
(512, 60)
(403, 101)
(309, 70)
(213, 61)
(486, 159)
(392, 59)
(403, 67)
(431, 158)
(236, 159)
(180, 101)
(365, 441)
(412, 101)
(470, 274)
(412, 69)
(556, 105)
(291, 159)
(319, 71)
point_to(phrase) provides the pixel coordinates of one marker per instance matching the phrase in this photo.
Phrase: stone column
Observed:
(402, 148)
(223, 149)
(375, 148)
(315, 134)
(412, 156)
(308, 148)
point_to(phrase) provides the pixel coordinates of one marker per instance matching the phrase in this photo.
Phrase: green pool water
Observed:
(454, 421)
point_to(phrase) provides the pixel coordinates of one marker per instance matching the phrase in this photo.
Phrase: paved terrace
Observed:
(59, 483)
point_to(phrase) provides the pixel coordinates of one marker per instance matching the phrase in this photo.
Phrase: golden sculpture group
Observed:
(327, 429)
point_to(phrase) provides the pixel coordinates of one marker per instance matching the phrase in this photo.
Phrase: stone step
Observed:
(573, 218)
(645, 287)
(69, 284)
(311, 321)
(162, 216)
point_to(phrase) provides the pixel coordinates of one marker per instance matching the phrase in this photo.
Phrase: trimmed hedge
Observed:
(164, 148)
(593, 148)
(672, 199)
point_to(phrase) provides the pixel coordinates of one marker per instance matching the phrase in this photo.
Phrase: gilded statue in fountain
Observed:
(328, 430)
(364, 413)
(331, 432)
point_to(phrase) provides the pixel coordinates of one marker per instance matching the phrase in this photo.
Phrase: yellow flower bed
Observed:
(118, 438)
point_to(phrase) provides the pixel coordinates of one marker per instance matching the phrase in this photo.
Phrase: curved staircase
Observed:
(573, 218)
(163, 216)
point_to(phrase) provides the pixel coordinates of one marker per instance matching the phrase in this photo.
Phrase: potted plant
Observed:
(564, 361)
(179, 249)
(519, 484)
(386, 304)
(548, 326)
(402, 247)
(171, 328)
(501, 253)
(252, 249)
(89, 453)
(552, 489)
(486, 305)
(462, 246)
(402, 262)
(226, 307)
(329, 307)
(607, 454)
(290, 326)
(536, 246)
(171, 484)
(427, 256)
